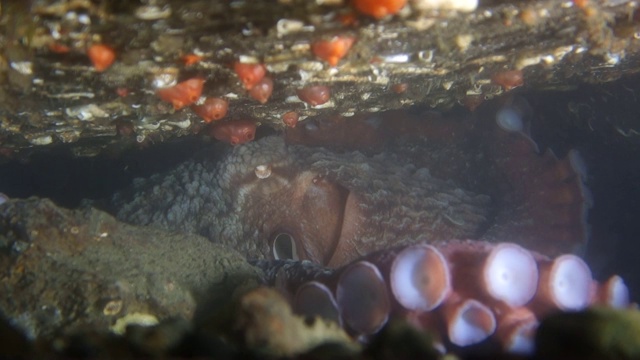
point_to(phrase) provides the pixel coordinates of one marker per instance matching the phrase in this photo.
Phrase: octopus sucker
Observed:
(501, 305)
(468, 321)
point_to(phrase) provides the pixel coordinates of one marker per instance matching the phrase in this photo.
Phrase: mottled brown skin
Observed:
(422, 177)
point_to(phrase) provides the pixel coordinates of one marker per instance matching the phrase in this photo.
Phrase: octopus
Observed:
(457, 223)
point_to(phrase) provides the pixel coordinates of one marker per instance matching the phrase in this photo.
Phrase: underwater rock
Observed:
(67, 270)
(443, 55)
(265, 324)
(599, 333)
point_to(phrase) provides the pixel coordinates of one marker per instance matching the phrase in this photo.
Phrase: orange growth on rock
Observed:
(581, 3)
(212, 109)
(59, 48)
(123, 91)
(290, 119)
(472, 102)
(334, 49)
(315, 95)
(182, 94)
(348, 19)
(379, 8)
(190, 59)
(234, 132)
(250, 74)
(508, 79)
(262, 90)
(102, 56)
(400, 88)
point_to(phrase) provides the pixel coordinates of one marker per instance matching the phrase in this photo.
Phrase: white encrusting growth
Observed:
(511, 274)
(263, 171)
(420, 278)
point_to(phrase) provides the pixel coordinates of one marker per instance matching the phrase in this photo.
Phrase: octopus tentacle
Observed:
(408, 282)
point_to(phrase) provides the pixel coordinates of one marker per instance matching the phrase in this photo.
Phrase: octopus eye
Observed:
(284, 247)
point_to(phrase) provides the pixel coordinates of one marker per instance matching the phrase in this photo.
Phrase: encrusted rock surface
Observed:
(69, 270)
(52, 93)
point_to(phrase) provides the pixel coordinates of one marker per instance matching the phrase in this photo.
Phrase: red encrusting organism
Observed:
(182, 94)
(212, 109)
(250, 74)
(123, 91)
(348, 19)
(290, 119)
(400, 88)
(314, 95)
(379, 8)
(59, 48)
(508, 79)
(334, 49)
(472, 102)
(262, 90)
(102, 56)
(190, 59)
(234, 132)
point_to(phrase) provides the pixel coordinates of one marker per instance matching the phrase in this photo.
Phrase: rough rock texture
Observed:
(65, 270)
(52, 94)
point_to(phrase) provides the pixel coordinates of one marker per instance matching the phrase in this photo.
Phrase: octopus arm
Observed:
(546, 207)
(462, 292)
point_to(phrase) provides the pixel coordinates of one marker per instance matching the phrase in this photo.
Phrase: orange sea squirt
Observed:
(290, 119)
(212, 109)
(182, 94)
(334, 49)
(262, 90)
(250, 74)
(190, 59)
(102, 56)
(508, 79)
(315, 95)
(234, 132)
(379, 8)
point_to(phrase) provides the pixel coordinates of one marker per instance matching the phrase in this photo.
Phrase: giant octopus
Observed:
(458, 224)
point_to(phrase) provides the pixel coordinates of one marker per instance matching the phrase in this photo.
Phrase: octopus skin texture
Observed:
(352, 196)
